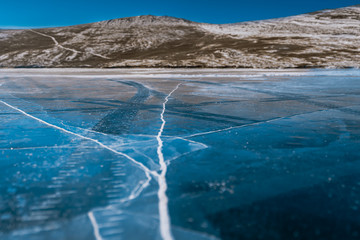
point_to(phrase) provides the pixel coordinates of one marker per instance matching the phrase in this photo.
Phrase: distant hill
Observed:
(328, 38)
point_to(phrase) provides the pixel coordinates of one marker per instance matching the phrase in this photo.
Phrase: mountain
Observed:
(328, 38)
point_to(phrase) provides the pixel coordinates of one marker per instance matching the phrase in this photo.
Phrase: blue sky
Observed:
(41, 13)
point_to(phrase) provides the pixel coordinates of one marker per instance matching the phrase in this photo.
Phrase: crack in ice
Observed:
(235, 127)
(139, 188)
(95, 226)
(165, 230)
(255, 123)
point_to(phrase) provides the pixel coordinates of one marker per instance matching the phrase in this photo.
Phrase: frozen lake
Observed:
(179, 154)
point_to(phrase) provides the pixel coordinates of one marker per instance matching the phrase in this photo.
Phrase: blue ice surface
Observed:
(275, 159)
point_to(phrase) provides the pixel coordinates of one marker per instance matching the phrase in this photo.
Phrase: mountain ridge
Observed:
(327, 38)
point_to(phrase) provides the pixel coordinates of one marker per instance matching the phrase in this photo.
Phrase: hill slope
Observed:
(329, 38)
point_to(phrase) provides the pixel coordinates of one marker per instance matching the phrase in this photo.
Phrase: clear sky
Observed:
(41, 13)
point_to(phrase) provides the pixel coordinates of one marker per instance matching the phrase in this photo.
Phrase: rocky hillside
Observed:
(328, 38)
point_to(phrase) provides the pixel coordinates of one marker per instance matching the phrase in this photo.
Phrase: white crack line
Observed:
(44, 147)
(234, 127)
(139, 188)
(188, 140)
(66, 48)
(134, 194)
(165, 229)
(254, 124)
(95, 226)
(144, 155)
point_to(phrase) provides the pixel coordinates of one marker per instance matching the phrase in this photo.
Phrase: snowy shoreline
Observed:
(173, 73)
